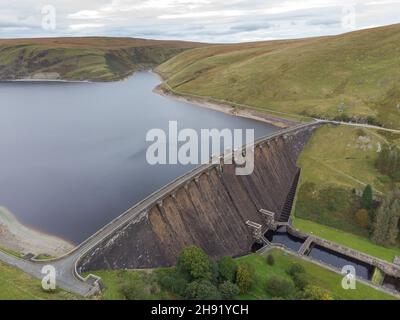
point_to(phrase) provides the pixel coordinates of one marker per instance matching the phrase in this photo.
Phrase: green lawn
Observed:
(315, 275)
(347, 239)
(17, 285)
(145, 284)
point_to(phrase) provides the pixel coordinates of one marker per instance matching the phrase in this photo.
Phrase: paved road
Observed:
(68, 277)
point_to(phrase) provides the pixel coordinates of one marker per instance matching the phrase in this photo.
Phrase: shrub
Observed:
(195, 263)
(362, 218)
(280, 287)
(202, 290)
(227, 269)
(135, 289)
(172, 281)
(396, 176)
(270, 260)
(316, 293)
(244, 278)
(228, 290)
(295, 268)
(300, 280)
(373, 121)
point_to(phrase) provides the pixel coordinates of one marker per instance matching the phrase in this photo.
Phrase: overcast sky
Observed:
(198, 20)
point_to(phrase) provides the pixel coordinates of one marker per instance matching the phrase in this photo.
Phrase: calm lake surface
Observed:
(73, 155)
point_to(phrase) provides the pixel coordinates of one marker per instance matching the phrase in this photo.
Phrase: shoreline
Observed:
(19, 238)
(227, 109)
(223, 107)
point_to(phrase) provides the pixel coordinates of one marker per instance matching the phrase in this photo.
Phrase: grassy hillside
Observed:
(93, 58)
(337, 164)
(350, 76)
(17, 285)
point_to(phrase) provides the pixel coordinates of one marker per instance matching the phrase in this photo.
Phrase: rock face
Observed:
(210, 211)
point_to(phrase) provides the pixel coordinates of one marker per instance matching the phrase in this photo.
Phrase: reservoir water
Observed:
(72, 155)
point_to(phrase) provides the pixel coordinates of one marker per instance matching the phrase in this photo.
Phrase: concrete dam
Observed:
(211, 207)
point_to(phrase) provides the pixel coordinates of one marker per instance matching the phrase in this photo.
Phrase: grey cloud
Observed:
(247, 23)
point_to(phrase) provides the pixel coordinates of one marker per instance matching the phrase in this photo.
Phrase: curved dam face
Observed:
(209, 210)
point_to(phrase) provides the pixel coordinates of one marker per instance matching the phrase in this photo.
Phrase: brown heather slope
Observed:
(353, 76)
(87, 58)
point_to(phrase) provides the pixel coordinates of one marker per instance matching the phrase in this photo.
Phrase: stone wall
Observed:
(388, 268)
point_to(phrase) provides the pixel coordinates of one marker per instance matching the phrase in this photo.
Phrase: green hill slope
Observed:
(354, 76)
(92, 58)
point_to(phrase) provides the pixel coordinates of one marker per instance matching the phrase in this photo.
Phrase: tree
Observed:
(227, 269)
(194, 262)
(388, 161)
(244, 278)
(367, 198)
(279, 287)
(362, 218)
(202, 289)
(228, 290)
(270, 260)
(386, 225)
(316, 293)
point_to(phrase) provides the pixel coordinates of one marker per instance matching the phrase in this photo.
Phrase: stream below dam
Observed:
(73, 155)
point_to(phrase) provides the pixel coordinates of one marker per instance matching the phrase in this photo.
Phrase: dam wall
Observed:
(211, 208)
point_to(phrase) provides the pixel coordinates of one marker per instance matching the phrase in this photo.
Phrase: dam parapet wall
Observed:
(211, 207)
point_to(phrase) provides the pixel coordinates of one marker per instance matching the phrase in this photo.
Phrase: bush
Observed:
(396, 176)
(227, 269)
(280, 287)
(362, 218)
(172, 281)
(244, 278)
(300, 280)
(202, 290)
(228, 290)
(270, 260)
(316, 293)
(135, 289)
(195, 263)
(295, 268)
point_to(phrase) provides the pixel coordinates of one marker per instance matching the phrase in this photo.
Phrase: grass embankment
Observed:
(335, 162)
(17, 285)
(314, 274)
(147, 287)
(144, 281)
(87, 58)
(354, 75)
